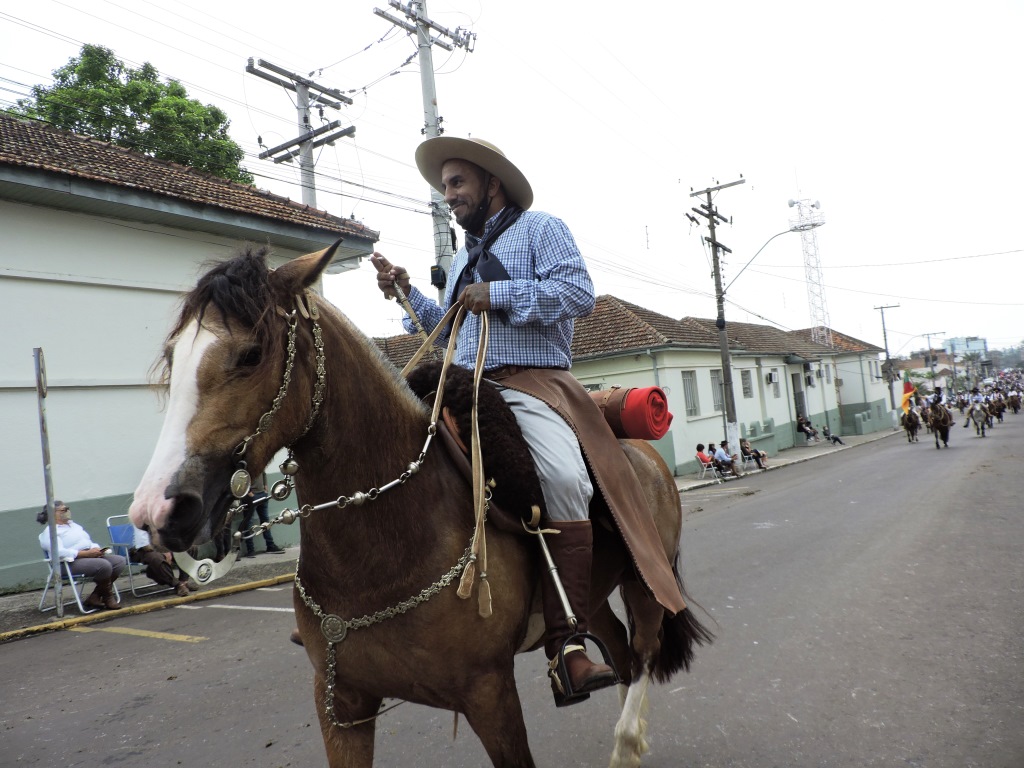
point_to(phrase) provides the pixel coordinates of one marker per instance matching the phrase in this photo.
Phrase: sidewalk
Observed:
(794, 455)
(20, 615)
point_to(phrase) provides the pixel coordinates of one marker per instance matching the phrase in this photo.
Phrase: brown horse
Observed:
(912, 424)
(939, 421)
(375, 599)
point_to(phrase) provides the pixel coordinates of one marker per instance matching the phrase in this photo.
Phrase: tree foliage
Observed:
(96, 94)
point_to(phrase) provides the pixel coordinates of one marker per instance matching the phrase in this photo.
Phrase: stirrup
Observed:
(561, 685)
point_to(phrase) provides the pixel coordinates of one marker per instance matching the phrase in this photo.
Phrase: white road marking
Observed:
(253, 608)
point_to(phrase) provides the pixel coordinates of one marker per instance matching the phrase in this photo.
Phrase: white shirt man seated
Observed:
(727, 460)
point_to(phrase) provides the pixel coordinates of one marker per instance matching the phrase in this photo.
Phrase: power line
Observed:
(900, 263)
(897, 296)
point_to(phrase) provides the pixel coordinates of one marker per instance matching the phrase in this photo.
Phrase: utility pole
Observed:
(421, 25)
(931, 355)
(708, 211)
(888, 363)
(309, 138)
(952, 357)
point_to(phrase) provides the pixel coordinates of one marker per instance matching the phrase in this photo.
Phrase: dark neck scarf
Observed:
(480, 259)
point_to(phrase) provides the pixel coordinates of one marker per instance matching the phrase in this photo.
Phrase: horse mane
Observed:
(238, 288)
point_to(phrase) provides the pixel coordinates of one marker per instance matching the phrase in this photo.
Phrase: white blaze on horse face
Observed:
(150, 506)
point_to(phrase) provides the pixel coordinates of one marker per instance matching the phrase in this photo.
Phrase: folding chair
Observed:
(122, 538)
(74, 582)
(748, 459)
(706, 467)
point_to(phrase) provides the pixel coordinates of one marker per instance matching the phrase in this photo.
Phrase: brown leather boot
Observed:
(572, 551)
(109, 601)
(95, 600)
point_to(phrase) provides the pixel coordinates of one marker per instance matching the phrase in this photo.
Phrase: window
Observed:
(828, 373)
(593, 387)
(690, 393)
(748, 387)
(775, 383)
(716, 388)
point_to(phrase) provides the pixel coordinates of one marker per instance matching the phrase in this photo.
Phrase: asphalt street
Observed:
(867, 606)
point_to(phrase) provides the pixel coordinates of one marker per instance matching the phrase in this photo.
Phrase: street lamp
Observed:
(732, 427)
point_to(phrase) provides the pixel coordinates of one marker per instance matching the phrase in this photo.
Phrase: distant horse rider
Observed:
(977, 402)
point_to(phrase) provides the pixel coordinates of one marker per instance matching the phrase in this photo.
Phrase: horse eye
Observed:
(249, 357)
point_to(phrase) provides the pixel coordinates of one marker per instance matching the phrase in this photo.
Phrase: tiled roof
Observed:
(766, 340)
(399, 349)
(840, 341)
(616, 325)
(33, 144)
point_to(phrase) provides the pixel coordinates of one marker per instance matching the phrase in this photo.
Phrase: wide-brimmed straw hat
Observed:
(434, 153)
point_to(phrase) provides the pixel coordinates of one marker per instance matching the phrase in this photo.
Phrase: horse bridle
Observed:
(241, 481)
(333, 627)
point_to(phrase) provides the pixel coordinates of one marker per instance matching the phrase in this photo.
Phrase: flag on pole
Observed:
(909, 390)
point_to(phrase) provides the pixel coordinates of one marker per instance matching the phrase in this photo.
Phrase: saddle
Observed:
(516, 493)
(618, 501)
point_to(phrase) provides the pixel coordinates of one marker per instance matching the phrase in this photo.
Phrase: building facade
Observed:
(99, 245)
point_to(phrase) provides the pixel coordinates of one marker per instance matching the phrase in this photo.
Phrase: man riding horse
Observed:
(977, 404)
(524, 268)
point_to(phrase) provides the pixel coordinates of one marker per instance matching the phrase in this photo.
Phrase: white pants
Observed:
(556, 452)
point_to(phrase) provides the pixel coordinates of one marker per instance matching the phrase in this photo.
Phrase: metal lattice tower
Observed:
(808, 218)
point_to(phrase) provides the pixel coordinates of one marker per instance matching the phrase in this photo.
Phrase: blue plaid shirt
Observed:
(549, 286)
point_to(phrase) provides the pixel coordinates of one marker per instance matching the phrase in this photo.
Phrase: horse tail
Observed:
(680, 634)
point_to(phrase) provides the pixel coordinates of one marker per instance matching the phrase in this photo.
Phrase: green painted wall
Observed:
(864, 418)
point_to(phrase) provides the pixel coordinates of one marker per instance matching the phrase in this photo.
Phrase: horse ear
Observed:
(298, 274)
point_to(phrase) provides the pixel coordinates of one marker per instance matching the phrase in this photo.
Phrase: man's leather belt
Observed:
(505, 371)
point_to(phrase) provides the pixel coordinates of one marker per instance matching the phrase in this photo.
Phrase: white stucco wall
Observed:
(98, 296)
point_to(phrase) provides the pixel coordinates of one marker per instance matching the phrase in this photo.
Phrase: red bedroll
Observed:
(636, 413)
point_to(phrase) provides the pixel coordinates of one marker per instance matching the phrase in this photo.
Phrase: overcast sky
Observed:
(903, 119)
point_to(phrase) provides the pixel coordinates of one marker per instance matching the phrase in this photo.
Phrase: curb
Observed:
(132, 610)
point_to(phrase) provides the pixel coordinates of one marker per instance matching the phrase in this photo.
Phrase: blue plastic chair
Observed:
(122, 539)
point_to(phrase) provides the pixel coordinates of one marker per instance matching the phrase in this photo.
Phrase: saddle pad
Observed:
(505, 521)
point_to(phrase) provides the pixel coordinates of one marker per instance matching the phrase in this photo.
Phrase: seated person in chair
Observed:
(760, 457)
(803, 425)
(159, 564)
(727, 461)
(834, 439)
(703, 457)
(87, 558)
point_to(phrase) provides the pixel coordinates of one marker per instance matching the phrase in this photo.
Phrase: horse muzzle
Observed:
(198, 499)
